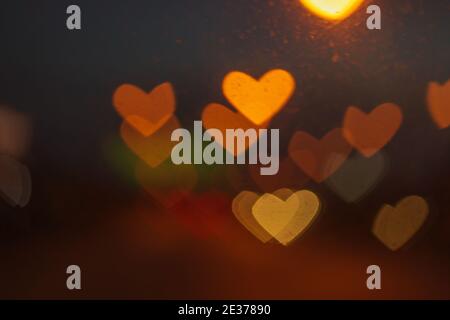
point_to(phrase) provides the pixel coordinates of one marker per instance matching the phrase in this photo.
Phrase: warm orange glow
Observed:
(369, 133)
(259, 100)
(217, 116)
(319, 159)
(146, 112)
(332, 9)
(395, 226)
(438, 99)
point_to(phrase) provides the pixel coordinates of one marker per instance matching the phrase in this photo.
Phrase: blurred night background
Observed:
(88, 208)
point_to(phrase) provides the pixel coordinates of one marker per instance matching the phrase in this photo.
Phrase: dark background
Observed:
(86, 209)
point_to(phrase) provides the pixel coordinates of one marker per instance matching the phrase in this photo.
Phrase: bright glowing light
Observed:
(332, 9)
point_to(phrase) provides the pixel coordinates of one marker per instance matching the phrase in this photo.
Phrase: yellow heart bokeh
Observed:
(395, 226)
(332, 9)
(286, 219)
(242, 210)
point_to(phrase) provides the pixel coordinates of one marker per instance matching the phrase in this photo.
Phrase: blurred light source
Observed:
(15, 132)
(332, 9)
(15, 182)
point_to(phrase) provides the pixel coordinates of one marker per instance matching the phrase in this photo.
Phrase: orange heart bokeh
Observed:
(217, 116)
(314, 156)
(259, 100)
(369, 133)
(147, 113)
